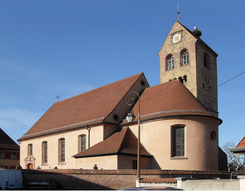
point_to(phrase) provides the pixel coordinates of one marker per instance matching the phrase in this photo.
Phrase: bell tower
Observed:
(184, 56)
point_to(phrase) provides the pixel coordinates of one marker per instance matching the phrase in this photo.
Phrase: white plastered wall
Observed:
(71, 147)
(201, 152)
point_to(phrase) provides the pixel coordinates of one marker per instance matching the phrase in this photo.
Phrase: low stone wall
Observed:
(109, 179)
(200, 185)
(211, 184)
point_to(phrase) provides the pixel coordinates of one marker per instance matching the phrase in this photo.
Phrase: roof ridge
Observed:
(104, 142)
(99, 87)
(161, 84)
(127, 92)
(92, 106)
(127, 129)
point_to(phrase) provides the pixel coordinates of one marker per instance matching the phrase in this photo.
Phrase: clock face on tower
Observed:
(176, 38)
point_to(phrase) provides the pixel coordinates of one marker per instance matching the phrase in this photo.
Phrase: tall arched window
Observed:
(206, 61)
(184, 57)
(30, 149)
(81, 143)
(170, 63)
(178, 141)
(62, 150)
(44, 152)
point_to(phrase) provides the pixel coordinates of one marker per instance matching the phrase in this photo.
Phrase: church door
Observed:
(30, 166)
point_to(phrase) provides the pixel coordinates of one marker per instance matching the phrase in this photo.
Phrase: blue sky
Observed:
(67, 47)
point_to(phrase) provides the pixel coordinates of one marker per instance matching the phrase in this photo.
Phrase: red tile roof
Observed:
(158, 180)
(6, 142)
(241, 143)
(122, 142)
(169, 99)
(87, 108)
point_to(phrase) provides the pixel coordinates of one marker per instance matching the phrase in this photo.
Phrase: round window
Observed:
(116, 118)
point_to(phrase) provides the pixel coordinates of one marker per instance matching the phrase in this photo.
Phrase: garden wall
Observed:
(110, 179)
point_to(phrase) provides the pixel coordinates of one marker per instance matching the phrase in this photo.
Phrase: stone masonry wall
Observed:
(108, 179)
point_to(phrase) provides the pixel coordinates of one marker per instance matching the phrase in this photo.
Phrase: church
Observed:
(179, 123)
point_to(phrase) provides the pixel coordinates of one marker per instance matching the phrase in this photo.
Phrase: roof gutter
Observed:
(166, 116)
(112, 153)
(237, 150)
(84, 126)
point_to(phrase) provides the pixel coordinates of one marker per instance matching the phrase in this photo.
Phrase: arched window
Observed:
(206, 61)
(61, 150)
(81, 143)
(184, 57)
(180, 79)
(185, 78)
(178, 141)
(30, 150)
(44, 152)
(213, 135)
(170, 62)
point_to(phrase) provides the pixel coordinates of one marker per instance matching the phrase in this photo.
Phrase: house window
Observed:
(178, 141)
(45, 152)
(13, 155)
(2, 155)
(62, 150)
(30, 149)
(170, 63)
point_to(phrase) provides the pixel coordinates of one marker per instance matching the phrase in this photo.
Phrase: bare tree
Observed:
(235, 161)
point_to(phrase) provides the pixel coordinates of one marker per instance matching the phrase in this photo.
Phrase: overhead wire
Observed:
(231, 79)
(202, 93)
(172, 108)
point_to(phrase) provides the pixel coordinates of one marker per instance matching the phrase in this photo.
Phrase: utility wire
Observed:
(231, 79)
(202, 93)
(170, 109)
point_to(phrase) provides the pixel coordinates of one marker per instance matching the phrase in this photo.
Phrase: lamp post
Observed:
(130, 118)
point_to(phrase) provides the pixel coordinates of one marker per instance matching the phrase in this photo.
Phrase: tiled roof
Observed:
(240, 147)
(122, 142)
(241, 143)
(6, 142)
(169, 99)
(87, 108)
(158, 180)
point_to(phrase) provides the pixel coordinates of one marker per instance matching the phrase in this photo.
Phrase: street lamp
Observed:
(130, 118)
